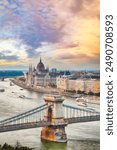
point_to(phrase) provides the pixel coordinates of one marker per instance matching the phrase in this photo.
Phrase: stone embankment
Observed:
(35, 88)
(40, 89)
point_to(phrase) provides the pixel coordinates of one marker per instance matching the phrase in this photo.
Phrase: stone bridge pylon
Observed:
(55, 115)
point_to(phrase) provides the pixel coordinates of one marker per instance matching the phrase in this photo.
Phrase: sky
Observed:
(64, 33)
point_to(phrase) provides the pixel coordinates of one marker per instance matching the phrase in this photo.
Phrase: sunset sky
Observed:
(64, 33)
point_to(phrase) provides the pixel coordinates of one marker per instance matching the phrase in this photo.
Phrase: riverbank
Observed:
(49, 90)
(40, 89)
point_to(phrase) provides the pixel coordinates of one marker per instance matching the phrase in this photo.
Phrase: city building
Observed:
(40, 76)
(63, 80)
(86, 85)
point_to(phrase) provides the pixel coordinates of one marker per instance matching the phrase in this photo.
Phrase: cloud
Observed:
(85, 8)
(9, 58)
(30, 24)
(71, 26)
(79, 57)
(12, 49)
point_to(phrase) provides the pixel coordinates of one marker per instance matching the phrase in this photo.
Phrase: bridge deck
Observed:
(83, 119)
(13, 127)
(6, 128)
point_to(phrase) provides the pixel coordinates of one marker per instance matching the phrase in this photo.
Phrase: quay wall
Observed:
(34, 88)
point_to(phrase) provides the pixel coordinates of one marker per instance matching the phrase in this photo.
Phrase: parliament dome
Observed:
(40, 66)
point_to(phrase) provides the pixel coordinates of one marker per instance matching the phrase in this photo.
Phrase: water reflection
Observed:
(71, 145)
(83, 145)
(45, 145)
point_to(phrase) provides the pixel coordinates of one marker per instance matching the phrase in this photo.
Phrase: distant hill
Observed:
(8, 74)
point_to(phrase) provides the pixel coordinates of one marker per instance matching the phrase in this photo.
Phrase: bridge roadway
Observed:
(13, 127)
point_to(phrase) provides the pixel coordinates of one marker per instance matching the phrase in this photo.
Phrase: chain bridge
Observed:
(53, 115)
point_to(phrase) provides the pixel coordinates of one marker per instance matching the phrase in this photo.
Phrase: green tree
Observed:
(90, 93)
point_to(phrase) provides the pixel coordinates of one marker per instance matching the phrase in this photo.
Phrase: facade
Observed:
(45, 79)
(30, 77)
(86, 85)
(62, 83)
(40, 76)
(76, 85)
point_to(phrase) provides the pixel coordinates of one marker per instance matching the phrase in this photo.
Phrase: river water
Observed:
(82, 136)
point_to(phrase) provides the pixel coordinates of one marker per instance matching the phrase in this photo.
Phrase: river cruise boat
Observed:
(22, 96)
(81, 102)
(2, 90)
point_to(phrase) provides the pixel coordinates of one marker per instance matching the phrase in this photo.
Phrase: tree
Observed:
(90, 93)
(7, 147)
(18, 145)
(80, 92)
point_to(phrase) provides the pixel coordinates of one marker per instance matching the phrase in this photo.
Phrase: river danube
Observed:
(82, 136)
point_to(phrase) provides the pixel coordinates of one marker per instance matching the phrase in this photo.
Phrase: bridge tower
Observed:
(55, 115)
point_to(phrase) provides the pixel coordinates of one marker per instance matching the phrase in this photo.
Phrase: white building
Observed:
(62, 83)
(40, 76)
(86, 85)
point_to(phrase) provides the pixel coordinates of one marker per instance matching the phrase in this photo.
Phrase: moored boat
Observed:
(81, 102)
(2, 90)
(22, 96)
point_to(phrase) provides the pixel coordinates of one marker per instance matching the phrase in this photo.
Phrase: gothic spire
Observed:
(40, 60)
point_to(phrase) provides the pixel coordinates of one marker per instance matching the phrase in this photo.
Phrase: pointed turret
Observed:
(29, 68)
(40, 60)
(47, 69)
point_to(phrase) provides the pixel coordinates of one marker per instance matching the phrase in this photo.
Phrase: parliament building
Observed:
(40, 76)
